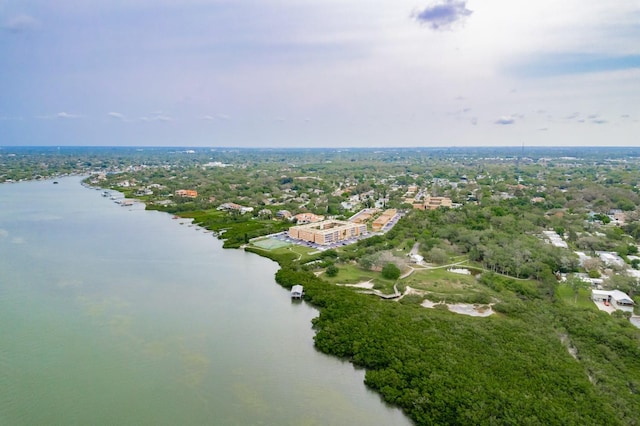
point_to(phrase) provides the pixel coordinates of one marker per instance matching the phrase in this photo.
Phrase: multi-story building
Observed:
(432, 203)
(327, 232)
(383, 219)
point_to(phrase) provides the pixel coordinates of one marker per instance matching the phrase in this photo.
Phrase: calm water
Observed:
(115, 315)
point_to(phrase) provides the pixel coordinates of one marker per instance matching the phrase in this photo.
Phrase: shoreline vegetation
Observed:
(444, 369)
(405, 353)
(546, 355)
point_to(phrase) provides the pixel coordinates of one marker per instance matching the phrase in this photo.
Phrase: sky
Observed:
(320, 73)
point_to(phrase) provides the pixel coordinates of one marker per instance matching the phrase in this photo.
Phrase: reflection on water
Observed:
(117, 315)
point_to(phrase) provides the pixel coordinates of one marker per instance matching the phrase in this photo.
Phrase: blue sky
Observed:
(298, 73)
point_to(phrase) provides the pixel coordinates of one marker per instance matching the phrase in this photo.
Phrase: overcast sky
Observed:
(320, 73)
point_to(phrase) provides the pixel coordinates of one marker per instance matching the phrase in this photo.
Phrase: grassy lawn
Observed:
(568, 296)
(441, 284)
(439, 280)
(351, 274)
(382, 284)
(449, 286)
(303, 253)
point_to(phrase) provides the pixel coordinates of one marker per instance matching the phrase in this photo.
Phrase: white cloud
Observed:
(157, 116)
(66, 115)
(21, 24)
(58, 116)
(116, 115)
(222, 117)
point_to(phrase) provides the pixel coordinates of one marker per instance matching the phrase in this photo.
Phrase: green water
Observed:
(114, 315)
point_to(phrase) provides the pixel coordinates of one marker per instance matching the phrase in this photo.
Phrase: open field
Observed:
(353, 274)
(441, 285)
(568, 296)
(270, 243)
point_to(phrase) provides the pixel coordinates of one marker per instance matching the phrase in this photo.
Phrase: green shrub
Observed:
(332, 271)
(390, 271)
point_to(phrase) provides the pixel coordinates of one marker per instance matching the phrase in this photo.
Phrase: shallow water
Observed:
(117, 315)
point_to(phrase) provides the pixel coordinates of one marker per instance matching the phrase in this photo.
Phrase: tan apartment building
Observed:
(327, 232)
(432, 203)
(361, 218)
(384, 218)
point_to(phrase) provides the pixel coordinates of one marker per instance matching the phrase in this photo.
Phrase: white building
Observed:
(610, 258)
(583, 257)
(616, 298)
(587, 279)
(297, 292)
(555, 239)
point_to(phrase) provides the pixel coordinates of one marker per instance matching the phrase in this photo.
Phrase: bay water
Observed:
(115, 315)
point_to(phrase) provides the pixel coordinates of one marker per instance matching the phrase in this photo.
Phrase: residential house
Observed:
(283, 214)
(616, 298)
(555, 239)
(186, 193)
(233, 207)
(302, 218)
(610, 258)
(617, 216)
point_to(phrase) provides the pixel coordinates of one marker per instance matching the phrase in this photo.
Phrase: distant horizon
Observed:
(331, 148)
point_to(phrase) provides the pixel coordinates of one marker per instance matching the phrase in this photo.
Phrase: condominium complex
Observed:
(432, 203)
(327, 232)
(383, 219)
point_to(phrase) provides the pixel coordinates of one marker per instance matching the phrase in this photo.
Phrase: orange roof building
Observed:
(187, 193)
